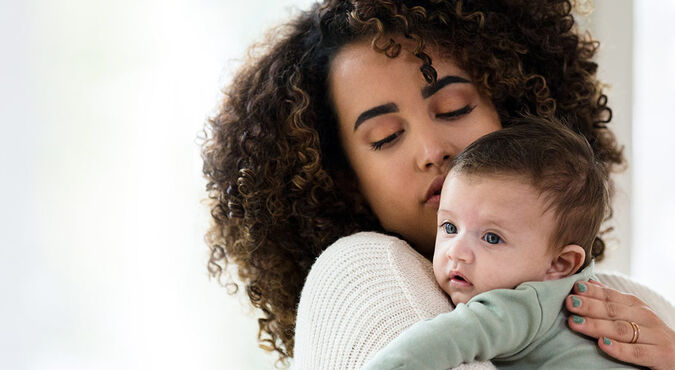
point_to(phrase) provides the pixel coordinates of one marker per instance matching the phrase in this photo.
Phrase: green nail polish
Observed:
(577, 319)
(576, 302)
(582, 287)
(606, 340)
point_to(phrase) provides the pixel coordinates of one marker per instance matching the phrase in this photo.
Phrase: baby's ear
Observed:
(566, 262)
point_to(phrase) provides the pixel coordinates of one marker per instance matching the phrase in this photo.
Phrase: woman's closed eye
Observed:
(449, 228)
(455, 114)
(492, 238)
(377, 145)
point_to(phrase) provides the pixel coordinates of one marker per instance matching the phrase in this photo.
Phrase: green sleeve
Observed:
(494, 324)
(499, 322)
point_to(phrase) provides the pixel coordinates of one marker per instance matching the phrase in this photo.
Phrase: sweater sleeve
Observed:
(360, 294)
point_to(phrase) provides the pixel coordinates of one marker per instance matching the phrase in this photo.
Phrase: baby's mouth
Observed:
(459, 280)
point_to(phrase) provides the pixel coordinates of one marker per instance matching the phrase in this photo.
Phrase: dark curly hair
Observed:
(279, 186)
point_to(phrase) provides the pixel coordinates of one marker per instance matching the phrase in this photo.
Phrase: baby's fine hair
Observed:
(556, 161)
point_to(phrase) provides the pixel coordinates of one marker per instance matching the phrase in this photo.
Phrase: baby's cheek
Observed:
(441, 279)
(437, 261)
(494, 280)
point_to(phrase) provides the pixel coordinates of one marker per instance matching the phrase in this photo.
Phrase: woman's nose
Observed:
(433, 151)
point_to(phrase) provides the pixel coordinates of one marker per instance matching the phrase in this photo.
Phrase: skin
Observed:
(425, 133)
(607, 313)
(395, 178)
(495, 231)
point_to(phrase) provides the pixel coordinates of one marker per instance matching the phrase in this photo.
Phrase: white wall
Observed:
(611, 23)
(637, 61)
(102, 260)
(653, 200)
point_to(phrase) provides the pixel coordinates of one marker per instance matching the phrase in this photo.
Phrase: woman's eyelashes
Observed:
(377, 145)
(453, 115)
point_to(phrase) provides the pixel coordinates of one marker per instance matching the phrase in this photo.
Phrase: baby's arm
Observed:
(500, 322)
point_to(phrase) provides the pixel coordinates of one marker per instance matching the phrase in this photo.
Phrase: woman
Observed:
(344, 124)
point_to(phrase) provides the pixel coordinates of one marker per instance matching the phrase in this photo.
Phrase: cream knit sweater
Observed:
(367, 288)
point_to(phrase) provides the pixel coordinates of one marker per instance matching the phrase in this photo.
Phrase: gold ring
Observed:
(636, 332)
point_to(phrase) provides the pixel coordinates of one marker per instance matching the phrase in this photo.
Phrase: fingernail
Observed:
(576, 302)
(577, 319)
(606, 340)
(596, 282)
(582, 287)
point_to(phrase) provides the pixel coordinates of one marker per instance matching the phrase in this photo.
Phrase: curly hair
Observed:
(279, 186)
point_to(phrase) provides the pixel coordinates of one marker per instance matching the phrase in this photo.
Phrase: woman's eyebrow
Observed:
(376, 111)
(427, 91)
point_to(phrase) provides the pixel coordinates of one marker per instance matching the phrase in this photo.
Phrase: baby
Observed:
(519, 214)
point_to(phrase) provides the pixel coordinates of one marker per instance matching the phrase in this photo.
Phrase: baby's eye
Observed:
(492, 238)
(449, 228)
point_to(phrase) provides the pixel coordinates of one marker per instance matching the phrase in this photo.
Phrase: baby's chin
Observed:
(459, 297)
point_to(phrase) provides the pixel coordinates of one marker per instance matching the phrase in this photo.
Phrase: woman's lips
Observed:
(433, 194)
(434, 200)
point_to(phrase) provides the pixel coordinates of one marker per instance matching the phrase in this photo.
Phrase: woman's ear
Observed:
(566, 262)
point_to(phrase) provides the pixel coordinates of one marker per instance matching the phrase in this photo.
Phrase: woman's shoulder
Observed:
(365, 244)
(385, 260)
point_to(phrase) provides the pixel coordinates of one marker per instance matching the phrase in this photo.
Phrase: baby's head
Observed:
(521, 204)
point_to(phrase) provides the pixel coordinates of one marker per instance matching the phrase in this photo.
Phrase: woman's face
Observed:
(399, 133)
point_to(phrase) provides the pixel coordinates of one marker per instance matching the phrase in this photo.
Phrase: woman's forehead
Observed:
(358, 54)
(361, 77)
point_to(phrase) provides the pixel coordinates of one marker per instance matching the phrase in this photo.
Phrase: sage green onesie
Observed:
(519, 328)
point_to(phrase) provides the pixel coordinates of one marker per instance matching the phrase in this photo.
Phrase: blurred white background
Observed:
(102, 260)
